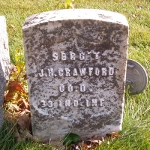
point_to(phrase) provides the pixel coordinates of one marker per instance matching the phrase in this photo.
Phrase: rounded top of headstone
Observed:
(2, 17)
(3, 21)
(75, 14)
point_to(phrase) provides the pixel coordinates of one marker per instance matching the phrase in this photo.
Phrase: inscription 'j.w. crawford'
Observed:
(67, 72)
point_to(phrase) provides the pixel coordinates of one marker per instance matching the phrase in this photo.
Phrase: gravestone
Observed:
(4, 63)
(76, 67)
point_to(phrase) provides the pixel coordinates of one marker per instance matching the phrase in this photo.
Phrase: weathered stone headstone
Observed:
(76, 67)
(4, 63)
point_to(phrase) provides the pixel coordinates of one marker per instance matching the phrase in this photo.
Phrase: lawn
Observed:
(136, 125)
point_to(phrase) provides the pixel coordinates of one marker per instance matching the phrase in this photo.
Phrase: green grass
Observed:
(136, 124)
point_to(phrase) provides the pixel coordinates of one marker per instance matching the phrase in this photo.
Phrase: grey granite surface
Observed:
(76, 67)
(4, 63)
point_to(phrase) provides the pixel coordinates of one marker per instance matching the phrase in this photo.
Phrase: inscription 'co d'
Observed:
(70, 88)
